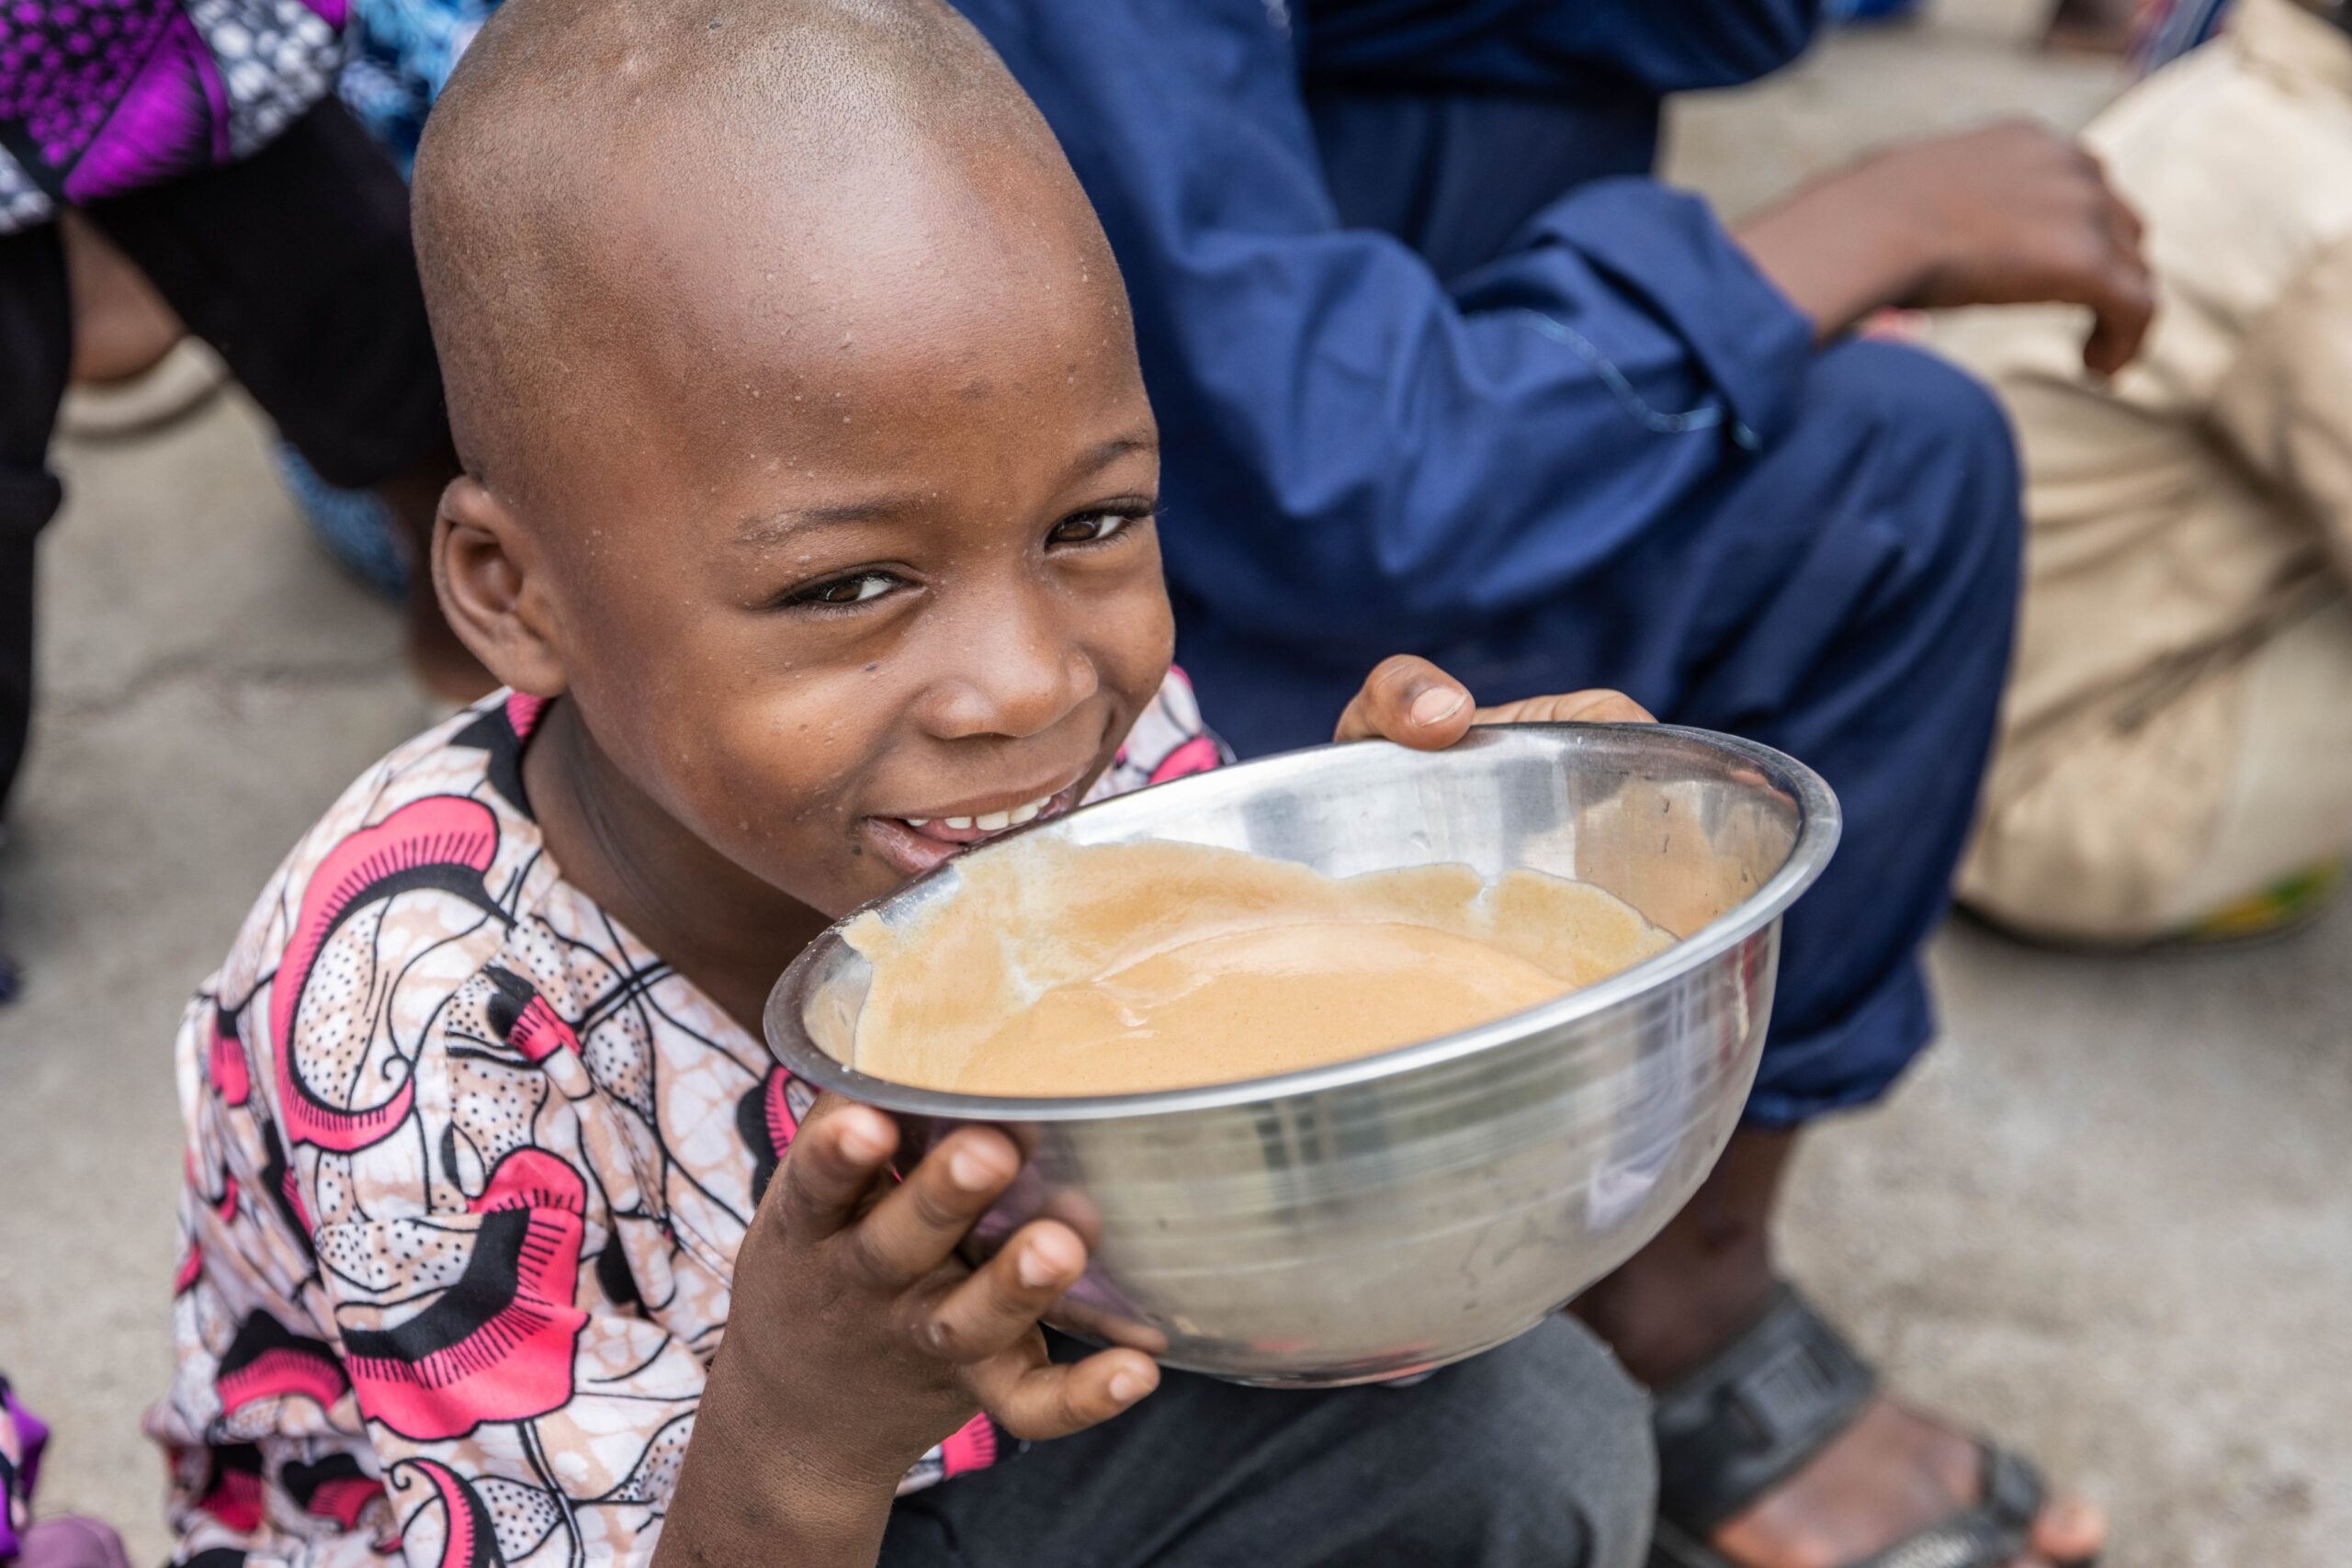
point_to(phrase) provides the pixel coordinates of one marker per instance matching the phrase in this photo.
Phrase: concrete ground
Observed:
(2109, 1219)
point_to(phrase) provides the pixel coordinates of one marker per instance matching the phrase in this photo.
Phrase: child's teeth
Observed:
(987, 821)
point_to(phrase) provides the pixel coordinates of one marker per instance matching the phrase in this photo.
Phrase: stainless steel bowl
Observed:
(1378, 1216)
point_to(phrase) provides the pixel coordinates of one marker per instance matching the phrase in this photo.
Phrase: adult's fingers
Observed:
(1410, 701)
(1570, 707)
(2119, 292)
(2129, 227)
(915, 1227)
(2123, 304)
(832, 1161)
(1036, 1400)
(998, 1304)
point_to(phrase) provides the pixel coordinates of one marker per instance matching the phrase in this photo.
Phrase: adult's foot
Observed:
(1890, 1474)
(1887, 1477)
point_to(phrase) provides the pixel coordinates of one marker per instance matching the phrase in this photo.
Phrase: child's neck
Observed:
(724, 929)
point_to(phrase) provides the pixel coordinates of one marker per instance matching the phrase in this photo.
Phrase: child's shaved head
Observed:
(581, 140)
(807, 460)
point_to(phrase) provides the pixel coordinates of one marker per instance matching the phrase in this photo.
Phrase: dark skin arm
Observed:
(801, 1437)
(2009, 215)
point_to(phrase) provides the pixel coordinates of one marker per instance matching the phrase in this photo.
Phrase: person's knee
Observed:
(1564, 1433)
(1935, 412)
(1944, 459)
(1933, 510)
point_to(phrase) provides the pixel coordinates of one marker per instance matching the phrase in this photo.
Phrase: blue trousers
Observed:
(1846, 594)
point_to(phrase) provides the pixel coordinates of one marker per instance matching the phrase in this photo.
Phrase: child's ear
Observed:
(484, 564)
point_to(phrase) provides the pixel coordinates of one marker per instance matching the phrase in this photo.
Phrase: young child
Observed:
(809, 519)
(2176, 749)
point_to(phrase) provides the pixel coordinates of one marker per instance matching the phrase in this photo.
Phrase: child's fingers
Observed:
(998, 1305)
(1410, 701)
(1036, 1400)
(833, 1160)
(915, 1227)
(1571, 707)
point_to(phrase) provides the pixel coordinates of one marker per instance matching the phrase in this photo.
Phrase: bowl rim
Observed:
(1819, 826)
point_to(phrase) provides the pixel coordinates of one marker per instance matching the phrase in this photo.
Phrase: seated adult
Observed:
(1437, 365)
(2176, 755)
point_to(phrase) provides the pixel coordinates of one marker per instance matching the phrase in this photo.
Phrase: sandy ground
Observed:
(2107, 1219)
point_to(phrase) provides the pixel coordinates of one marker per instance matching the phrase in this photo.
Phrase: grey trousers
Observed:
(1536, 1453)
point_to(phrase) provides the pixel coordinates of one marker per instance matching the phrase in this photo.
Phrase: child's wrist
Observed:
(758, 1469)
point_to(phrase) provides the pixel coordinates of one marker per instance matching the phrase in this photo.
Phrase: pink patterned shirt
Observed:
(467, 1168)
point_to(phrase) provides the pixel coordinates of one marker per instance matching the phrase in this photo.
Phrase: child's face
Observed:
(837, 561)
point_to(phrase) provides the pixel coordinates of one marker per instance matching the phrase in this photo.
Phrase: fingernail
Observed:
(1436, 705)
(862, 1142)
(968, 1170)
(1036, 1271)
(1128, 1387)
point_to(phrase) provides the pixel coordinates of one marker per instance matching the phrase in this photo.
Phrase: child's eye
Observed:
(1091, 527)
(842, 590)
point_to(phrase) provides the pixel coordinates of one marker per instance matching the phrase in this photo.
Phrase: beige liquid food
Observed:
(1126, 967)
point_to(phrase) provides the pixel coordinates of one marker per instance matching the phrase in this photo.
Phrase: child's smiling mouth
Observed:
(917, 844)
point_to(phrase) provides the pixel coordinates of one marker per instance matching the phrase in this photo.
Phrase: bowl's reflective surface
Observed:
(1366, 1219)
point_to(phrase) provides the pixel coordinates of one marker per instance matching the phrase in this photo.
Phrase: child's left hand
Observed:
(1414, 703)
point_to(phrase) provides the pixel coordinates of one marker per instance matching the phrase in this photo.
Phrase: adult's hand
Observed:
(1410, 701)
(2011, 215)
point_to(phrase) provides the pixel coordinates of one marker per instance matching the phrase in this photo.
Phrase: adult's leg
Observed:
(2287, 809)
(122, 329)
(296, 264)
(36, 356)
(1536, 1453)
(1877, 657)
(1846, 594)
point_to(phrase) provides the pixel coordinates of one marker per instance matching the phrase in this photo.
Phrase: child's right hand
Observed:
(858, 1339)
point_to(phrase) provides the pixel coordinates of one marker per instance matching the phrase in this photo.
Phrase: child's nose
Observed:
(1016, 683)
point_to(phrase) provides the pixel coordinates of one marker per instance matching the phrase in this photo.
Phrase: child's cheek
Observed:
(786, 791)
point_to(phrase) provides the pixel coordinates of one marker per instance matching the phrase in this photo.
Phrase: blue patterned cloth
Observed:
(402, 51)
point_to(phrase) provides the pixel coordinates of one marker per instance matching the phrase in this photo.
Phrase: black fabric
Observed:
(35, 355)
(295, 265)
(1536, 1453)
(1753, 1413)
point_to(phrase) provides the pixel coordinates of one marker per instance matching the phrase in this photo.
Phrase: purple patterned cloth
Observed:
(22, 1437)
(72, 1542)
(102, 96)
(66, 1543)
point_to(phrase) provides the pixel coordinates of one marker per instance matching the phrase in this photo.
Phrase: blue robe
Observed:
(1439, 369)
